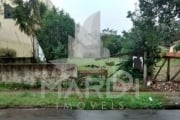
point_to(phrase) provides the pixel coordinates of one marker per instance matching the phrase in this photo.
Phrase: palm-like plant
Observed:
(27, 16)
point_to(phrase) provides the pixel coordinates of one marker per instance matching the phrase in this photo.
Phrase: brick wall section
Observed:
(30, 73)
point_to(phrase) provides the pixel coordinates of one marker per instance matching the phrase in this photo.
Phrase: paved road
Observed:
(53, 114)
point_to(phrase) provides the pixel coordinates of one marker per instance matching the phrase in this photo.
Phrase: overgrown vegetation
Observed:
(59, 25)
(36, 20)
(4, 86)
(154, 25)
(112, 41)
(5, 52)
(177, 47)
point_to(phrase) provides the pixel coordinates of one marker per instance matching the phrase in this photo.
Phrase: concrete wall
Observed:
(30, 73)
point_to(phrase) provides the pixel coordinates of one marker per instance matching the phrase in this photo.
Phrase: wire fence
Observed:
(162, 67)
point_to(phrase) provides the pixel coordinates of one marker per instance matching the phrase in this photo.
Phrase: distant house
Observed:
(12, 38)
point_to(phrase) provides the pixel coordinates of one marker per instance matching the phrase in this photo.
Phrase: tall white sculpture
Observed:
(87, 42)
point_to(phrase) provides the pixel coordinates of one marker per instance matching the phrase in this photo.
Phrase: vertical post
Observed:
(33, 48)
(35, 55)
(168, 70)
(145, 68)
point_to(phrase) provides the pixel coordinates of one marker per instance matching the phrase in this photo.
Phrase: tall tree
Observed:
(111, 40)
(144, 36)
(28, 16)
(167, 13)
(59, 25)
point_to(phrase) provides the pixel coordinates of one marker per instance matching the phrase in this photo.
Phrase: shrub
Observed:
(5, 52)
(37, 84)
(15, 86)
(177, 47)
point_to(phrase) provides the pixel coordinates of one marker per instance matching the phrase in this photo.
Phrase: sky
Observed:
(113, 12)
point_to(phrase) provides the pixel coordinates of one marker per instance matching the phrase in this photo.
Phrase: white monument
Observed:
(87, 42)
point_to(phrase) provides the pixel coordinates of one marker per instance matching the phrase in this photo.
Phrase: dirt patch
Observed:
(166, 86)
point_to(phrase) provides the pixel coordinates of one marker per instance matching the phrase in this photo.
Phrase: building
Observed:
(12, 38)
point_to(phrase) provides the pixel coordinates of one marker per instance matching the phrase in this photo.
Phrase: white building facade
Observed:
(12, 38)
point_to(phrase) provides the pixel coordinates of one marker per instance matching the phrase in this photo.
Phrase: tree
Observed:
(167, 13)
(28, 16)
(143, 37)
(50, 27)
(166, 10)
(112, 41)
(59, 25)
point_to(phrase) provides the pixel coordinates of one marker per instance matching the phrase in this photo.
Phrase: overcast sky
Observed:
(113, 12)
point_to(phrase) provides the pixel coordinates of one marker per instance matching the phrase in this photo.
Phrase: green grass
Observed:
(30, 99)
(82, 63)
(19, 86)
(91, 61)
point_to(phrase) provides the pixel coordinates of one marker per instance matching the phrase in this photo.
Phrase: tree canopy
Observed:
(111, 40)
(51, 27)
(27, 15)
(56, 26)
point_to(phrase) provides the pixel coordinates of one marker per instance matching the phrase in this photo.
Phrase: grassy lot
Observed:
(90, 61)
(83, 63)
(32, 99)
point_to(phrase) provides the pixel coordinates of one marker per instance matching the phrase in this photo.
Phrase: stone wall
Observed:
(30, 73)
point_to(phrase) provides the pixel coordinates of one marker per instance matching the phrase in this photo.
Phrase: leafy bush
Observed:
(37, 84)
(20, 86)
(5, 52)
(177, 47)
(15, 86)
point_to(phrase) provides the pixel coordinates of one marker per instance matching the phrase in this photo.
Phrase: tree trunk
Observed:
(145, 68)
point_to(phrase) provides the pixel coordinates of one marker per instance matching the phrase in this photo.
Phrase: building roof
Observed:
(173, 55)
